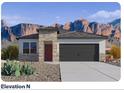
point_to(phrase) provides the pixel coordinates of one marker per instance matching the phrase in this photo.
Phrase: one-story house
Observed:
(52, 45)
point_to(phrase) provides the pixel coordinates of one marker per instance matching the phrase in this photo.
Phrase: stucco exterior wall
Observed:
(102, 50)
(27, 57)
(52, 37)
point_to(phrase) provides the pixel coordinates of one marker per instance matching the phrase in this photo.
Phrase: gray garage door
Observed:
(79, 52)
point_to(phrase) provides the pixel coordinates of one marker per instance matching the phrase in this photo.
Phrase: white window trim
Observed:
(29, 48)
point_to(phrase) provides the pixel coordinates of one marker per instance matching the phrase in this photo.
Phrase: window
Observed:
(29, 48)
(33, 47)
(25, 48)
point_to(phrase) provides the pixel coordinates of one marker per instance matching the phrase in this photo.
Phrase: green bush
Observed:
(27, 69)
(11, 53)
(11, 68)
(4, 54)
(8, 69)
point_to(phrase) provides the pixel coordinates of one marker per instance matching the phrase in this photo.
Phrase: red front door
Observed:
(48, 52)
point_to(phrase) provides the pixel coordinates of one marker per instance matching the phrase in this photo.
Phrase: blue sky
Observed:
(50, 13)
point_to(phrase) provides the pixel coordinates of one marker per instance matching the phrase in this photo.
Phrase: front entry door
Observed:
(48, 52)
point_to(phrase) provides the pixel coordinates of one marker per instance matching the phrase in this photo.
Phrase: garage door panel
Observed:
(79, 52)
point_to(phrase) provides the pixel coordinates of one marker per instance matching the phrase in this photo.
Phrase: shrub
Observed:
(14, 68)
(27, 69)
(11, 53)
(4, 54)
(115, 52)
(8, 69)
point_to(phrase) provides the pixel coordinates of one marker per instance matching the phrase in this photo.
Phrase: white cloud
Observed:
(57, 17)
(105, 16)
(13, 20)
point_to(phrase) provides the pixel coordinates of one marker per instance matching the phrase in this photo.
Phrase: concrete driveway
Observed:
(89, 71)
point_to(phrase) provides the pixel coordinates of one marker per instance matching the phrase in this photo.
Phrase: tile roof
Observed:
(32, 36)
(79, 35)
(68, 35)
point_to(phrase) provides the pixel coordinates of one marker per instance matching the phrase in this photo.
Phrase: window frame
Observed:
(29, 49)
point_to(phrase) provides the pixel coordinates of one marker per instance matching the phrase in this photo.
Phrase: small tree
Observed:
(115, 51)
(11, 52)
(4, 53)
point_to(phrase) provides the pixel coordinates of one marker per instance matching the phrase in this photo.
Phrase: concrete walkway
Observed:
(89, 71)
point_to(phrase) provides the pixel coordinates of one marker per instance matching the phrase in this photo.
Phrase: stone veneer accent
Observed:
(48, 35)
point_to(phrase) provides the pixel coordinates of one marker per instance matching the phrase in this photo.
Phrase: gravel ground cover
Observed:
(43, 72)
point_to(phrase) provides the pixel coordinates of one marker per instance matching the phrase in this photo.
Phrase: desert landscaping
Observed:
(43, 72)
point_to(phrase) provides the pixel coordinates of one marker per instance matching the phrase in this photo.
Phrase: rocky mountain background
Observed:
(10, 33)
(111, 30)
